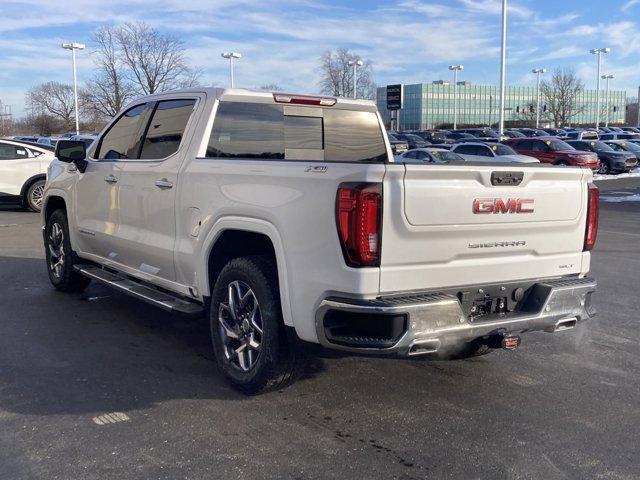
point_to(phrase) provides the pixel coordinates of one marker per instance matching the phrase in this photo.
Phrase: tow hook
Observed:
(510, 342)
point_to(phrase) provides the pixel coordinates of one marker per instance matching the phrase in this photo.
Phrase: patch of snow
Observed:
(633, 173)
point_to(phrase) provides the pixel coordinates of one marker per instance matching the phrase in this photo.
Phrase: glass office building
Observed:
(429, 105)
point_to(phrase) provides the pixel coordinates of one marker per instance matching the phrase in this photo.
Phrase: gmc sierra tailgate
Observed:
(455, 225)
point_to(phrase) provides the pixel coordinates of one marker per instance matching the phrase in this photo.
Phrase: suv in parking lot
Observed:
(554, 151)
(610, 160)
(285, 217)
(23, 172)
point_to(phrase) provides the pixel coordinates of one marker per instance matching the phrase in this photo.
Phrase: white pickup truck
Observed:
(285, 218)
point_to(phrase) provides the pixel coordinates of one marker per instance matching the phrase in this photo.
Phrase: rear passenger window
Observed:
(122, 141)
(166, 128)
(260, 130)
(352, 137)
(247, 130)
(525, 145)
(483, 151)
(12, 152)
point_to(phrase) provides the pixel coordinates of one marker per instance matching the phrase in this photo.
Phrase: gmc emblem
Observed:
(498, 205)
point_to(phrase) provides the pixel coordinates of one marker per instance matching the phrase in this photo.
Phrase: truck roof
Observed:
(260, 96)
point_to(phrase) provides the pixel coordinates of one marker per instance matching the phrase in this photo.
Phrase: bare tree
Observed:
(561, 96)
(155, 61)
(336, 76)
(108, 90)
(52, 98)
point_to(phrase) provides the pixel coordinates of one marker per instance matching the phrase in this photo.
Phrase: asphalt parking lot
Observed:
(101, 386)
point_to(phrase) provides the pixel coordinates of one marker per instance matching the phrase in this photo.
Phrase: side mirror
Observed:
(72, 151)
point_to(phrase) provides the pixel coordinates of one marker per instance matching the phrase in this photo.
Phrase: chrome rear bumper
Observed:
(435, 321)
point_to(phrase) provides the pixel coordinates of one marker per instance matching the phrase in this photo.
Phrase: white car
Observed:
(493, 152)
(283, 217)
(23, 172)
(429, 155)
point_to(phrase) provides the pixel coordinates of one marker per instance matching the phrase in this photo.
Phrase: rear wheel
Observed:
(247, 330)
(562, 163)
(59, 256)
(34, 195)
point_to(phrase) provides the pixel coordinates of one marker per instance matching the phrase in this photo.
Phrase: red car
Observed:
(555, 151)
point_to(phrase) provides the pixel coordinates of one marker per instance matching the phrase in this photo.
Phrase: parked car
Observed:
(611, 161)
(631, 129)
(87, 139)
(555, 151)
(533, 132)
(23, 172)
(481, 152)
(413, 141)
(48, 141)
(583, 135)
(625, 146)
(429, 155)
(513, 134)
(397, 146)
(484, 132)
(432, 136)
(273, 227)
(555, 132)
(619, 136)
(455, 137)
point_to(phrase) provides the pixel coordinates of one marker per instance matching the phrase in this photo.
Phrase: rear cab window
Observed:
(272, 131)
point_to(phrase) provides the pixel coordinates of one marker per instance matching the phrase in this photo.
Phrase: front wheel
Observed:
(562, 163)
(604, 169)
(59, 256)
(34, 195)
(247, 330)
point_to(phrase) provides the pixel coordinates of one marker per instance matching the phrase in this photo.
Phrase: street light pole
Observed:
(598, 52)
(73, 47)
(230, 56)
(355, 64)
(606, 97)
(538, 71)
(503, 66)
(455, 69)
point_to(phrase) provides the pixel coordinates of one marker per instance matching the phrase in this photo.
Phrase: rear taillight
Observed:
(593, 207)
(358, 218)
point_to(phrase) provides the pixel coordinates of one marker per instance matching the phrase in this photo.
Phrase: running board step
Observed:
(166, 301)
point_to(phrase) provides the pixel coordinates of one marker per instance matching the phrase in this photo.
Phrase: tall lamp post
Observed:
(355, 64)
(538, 72)
(230, 56)
(503, 67)
(73, 47)
(598, 52)
(606, 78)
(455, 69)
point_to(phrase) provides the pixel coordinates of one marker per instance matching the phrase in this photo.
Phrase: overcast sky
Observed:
(407, 41)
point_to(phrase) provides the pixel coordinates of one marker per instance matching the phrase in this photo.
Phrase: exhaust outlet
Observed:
(423, 347)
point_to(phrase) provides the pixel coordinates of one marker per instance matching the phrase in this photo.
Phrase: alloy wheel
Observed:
(56, 250)
(36, 196)
(240, 323)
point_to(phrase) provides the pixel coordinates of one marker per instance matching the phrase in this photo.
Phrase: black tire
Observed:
(33, 196)
(275, 363)
(562, 163)
(60, 257)
(605, 168)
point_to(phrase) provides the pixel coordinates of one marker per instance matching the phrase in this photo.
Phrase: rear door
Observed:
(17, 166)
(450, 225)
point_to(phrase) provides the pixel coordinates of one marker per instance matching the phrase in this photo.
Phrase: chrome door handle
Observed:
(110, 178)
(164, 183)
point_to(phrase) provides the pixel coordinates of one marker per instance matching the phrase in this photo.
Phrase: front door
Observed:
(147, 190)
